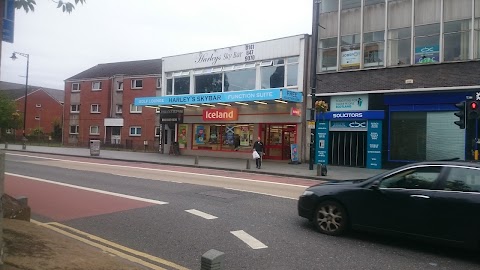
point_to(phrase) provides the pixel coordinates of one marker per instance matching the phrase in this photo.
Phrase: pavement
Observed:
(32, 246)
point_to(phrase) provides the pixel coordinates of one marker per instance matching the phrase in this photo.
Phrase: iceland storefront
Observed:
(230, 96)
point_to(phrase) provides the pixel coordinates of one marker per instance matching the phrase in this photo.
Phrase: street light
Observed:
(14, 57)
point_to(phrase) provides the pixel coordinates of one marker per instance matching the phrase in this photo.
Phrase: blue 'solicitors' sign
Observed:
(351, 115)
(237, 96)
(374, 144)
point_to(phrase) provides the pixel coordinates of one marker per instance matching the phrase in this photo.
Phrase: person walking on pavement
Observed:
(258, 146)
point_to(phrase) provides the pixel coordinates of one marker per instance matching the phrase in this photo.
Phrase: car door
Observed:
(456, 207)
(407, 193)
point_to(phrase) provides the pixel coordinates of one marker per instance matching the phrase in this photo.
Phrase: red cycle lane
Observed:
(62, 203)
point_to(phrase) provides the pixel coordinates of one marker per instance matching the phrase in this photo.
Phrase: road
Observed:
(175, 214)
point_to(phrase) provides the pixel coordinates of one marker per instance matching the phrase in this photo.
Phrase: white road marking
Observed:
(249, 240)
(168, 171)
(200, 214)
(90, 189)
(261, 193)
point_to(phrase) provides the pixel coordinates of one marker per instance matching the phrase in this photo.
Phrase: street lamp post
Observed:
(14, 57)
(313, 79)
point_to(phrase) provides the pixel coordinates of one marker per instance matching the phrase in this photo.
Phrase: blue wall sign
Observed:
(8, 21)
(374, 144)
(293, 96)
(236, 96)
(294, 152)
(355, 125)
(335, 116)
(427, 54)
(321, 149)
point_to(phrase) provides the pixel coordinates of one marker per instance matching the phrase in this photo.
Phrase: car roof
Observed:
(473, 163)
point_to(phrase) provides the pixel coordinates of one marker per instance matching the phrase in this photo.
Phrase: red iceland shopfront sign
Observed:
(220, 114)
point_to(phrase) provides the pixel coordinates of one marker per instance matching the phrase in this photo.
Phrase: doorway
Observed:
(348, 148)
(278, 138)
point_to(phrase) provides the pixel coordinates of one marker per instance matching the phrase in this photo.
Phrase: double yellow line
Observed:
(110, 247)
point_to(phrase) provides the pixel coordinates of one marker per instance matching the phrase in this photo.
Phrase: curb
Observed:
(184, 165)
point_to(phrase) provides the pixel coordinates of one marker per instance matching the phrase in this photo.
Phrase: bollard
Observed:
(248, 164)
(196, 160)
(212, 260)
(6, 145)
(321, 170)
(24, 146)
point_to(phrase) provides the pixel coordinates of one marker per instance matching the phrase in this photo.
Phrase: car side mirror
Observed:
(375, 185)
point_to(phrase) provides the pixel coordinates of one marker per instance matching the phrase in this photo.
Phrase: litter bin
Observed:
(94, 147)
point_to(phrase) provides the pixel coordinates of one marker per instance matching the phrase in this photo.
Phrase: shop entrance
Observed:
(278, 139)
(348, 148)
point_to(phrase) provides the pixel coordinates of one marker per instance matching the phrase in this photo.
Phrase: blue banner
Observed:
(374, 144)
(293, 96)
(321, 149)
(8, 21)
(236, 96)
(294, 152)
(351, 115)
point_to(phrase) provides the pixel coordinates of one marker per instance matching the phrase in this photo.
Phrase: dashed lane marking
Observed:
(110, 247)
(90, 189)
(249, 240)
(261, 193)
(200, 214)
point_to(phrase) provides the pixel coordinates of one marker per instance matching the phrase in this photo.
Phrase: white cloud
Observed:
(102, 31)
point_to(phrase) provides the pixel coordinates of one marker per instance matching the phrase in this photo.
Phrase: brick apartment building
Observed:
(392, 72)
(44, 110)
(99, 105)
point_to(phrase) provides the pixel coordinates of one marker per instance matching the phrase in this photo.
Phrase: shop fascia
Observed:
(281, 95)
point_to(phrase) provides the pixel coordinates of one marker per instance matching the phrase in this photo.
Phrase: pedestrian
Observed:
(258, 146)
(236, 142)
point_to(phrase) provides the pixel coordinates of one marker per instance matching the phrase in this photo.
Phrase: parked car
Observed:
(432, 200)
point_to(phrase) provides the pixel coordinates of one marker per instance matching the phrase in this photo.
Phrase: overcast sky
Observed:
(61, 45)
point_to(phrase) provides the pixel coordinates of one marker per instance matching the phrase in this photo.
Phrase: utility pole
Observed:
(313, 78)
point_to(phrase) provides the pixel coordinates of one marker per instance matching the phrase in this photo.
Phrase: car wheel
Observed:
(330, 218)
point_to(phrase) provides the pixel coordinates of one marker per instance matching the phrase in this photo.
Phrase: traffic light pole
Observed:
(313, 79)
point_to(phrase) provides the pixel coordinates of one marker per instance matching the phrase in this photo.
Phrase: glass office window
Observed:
(427, 11)
(399, 46)
(292, 71)
(427, 39)
(350, 52)
(208, 83)
(373, 48)
(238, 80)
(181, 86)
(273, 76)
(327, 54)
(456, 40)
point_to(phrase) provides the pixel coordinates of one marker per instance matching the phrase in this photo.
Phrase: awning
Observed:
(222, 98)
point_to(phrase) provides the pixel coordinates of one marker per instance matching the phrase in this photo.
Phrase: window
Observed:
(273, 76)
(157, 131)
(456, 40)
(427, 49)
(94, 130)
(292, 71)
(328, 54)
(208, 83)
(159, 83)
(119, 86)
(38, 105)
(170, 86)
(137, 84)
(241, 79)
(74, 129)
(399, 44)
(119, 108)
(181, 86)
(463, 179)
(222, 137)
(135, 131)
(135, 109)
(75, 87)
(96, 85)
(95, 108)
(415, 178)
(373, 48)
(350, 52)
(328, 6)
(75, 108)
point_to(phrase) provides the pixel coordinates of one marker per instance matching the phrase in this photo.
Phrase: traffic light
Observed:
(473, 110)
(460, 114)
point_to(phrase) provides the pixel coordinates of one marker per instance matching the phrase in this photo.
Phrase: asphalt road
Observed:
(178, 214)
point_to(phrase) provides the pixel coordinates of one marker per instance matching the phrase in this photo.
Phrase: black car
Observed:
(433, 200)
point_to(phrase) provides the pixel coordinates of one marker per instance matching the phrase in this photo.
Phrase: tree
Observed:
(29, 5)
(9, 118)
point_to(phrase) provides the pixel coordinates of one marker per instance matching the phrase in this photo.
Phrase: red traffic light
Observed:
(473, 105)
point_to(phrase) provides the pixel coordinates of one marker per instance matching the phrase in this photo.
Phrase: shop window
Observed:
(237, 80)
(234, 137)
(456, 40)
(373, 48)
(273, 76)
(399, 45)
(328, 54)
(350, 52)
(208, 83)
(427, 49)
